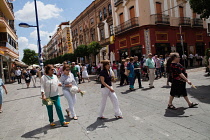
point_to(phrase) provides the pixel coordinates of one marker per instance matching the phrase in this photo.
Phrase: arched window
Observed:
(105, 13)
(110, 9)
(100, 16)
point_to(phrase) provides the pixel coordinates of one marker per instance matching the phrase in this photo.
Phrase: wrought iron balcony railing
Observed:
(196, 22)
(7, 45)
(185, 21)
(130, 24)
(161, 19)
(117, 2)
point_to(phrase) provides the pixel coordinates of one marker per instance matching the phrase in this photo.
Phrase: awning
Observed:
(20, 63)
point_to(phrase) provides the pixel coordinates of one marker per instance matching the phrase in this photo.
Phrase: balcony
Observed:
(130, 24)
(160, 19)
(184, 21)
(10, 47)
(104, 42)
(196, 22)
(117, 2)
(6, 22)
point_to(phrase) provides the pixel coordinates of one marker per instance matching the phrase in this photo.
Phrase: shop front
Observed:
(200, 48)
(162, 48)
(136, 51)
(179, 49)
(123, 53)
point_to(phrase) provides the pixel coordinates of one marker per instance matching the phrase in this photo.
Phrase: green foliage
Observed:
(30, 57)
(66, 57)
(201, 7)
(94, 48)
(81, 51)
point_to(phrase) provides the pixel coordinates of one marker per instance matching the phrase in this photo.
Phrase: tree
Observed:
(81, 51)
(201, 7)
(94, 48)
(30, 57)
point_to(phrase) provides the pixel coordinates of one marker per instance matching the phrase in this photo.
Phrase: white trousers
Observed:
(33, 77)
(151, 76)
(113, 97)
(71, 98)
(115, 73)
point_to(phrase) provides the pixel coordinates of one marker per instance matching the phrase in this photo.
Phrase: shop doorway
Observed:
(162, 48)
(123, 54)
(179, 49)
(136, 51)
(200, 48)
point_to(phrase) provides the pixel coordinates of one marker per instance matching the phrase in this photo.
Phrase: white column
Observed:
(137, 8)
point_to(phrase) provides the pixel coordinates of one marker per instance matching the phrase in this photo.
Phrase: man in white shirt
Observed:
(18, 74)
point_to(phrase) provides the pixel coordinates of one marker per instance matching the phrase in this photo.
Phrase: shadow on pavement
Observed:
(202, 93)
(33, 133)
(99, 123)
(127, 91)
(145, 89)
(22, 98)
(175, 113)
(166, 87)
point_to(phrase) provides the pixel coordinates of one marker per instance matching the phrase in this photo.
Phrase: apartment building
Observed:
(95, 23)
(8, 40)
(156, 26)
(60, 43)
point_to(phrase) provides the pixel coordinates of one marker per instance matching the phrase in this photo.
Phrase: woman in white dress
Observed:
(84, 73)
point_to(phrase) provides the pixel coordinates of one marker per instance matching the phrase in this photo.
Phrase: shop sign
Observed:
(147, 41)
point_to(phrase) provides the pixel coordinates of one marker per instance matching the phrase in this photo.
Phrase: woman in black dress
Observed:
(27, 77)
(179, 79)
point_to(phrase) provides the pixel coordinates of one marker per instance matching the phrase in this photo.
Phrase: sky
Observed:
(51, 13)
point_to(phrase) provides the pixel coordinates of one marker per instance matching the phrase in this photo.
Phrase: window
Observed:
(121, 18)
(110, 9)
(92, 34)
(91, 21)
(102, 34)
(100, 16)
(105, 13)
(111, 30)
(158, 8)
(80, 28)
(132, 12)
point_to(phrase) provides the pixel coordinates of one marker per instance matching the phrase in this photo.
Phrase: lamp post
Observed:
(25, 25)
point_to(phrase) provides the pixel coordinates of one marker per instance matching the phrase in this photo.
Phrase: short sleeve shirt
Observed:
(150, 63)
(74, 71)
(107, 78)
(176, 70)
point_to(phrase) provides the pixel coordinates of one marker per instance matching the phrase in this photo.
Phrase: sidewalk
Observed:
(144, 111)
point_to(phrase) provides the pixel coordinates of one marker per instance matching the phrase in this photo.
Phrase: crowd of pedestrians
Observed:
(127, 71)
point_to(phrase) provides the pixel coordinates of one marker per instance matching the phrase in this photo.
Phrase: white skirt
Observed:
(85, 74)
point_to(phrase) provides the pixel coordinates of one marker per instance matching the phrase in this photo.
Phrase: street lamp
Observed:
(25, 25)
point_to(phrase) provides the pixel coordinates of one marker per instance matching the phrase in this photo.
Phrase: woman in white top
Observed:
(84, 73)
(67, 80)
(49, 89)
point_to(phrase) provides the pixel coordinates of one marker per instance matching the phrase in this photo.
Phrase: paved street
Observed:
(144, 111)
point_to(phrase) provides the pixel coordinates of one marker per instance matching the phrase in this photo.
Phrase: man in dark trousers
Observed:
(137, 70)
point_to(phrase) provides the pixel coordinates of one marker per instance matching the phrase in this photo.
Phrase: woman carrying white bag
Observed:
(70, 89)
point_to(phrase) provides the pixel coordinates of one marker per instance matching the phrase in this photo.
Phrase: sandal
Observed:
(172, 107)
(68, 114)
(193, 105)
(75, 118)
(119, 117)
(52, 124)
(102, 118)
(65, 124)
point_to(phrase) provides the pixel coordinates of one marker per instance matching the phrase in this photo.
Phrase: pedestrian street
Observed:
(145, 116)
